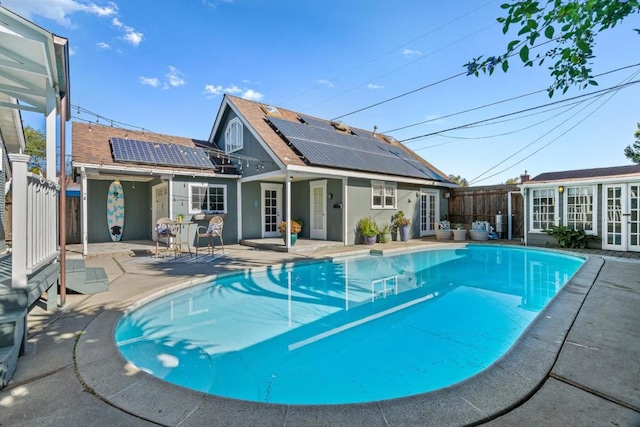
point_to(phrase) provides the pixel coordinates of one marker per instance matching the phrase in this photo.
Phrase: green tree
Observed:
(633, 151)
(569, 27)
(35, 146)
(462, 182)
(513, 181)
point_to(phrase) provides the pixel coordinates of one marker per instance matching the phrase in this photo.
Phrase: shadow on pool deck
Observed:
(577, 364)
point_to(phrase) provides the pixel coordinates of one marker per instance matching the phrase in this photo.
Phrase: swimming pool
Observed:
(354, 330)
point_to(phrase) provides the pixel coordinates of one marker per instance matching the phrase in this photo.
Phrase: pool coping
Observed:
(511, 380)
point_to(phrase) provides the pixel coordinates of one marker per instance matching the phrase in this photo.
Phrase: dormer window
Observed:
(233, 136)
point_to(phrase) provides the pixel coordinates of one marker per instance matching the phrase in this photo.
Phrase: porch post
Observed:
(50, 134)
(83, 213)
(345, 226)
(239, 209)
(288, 210)
(18, 224)
(62, 210)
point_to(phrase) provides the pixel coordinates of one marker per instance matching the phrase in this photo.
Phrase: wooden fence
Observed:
(468, 204)
(73, 220)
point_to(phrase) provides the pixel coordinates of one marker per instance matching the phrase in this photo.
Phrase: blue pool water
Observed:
(355, 330)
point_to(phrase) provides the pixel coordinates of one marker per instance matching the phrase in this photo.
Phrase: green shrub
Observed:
(569, 238)
(368, 227)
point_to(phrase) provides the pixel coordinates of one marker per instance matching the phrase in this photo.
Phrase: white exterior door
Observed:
(160, 207)
(271, 209)
(429, 212)
(318, 210)
(621, 228)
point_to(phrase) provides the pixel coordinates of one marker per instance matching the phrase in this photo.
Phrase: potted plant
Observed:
(401, 223)
(459, 233)
(385, 233)
(295, 229)
(443, 230)
(369, 230)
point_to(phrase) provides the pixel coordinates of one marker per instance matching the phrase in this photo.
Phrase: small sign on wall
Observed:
(255, 203)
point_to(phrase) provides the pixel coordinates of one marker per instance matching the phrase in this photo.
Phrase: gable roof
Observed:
(92, 146)
(587, 174)
(348, 148)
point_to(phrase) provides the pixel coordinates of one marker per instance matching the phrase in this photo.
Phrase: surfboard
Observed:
(115, 210)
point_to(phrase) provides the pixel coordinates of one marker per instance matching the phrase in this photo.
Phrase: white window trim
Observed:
(385, 184)
(239, 140)
(556, 220)
(207, 186)
(565, 210)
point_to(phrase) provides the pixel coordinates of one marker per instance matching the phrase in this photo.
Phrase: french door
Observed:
(318, 210)
(271, 209)
(621, 228)
(429, 212)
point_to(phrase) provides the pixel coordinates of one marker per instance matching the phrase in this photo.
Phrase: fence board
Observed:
(468, 204)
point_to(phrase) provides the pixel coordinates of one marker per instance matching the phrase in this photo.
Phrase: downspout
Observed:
(84, 213)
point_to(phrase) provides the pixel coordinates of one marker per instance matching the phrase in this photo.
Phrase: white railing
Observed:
(35, 221)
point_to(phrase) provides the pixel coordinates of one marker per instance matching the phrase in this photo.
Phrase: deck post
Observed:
(19, 239)
(288, 210)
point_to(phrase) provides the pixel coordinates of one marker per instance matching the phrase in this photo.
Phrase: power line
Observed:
(389, 52)
(620, 86)
(615, 92)
(498, 102)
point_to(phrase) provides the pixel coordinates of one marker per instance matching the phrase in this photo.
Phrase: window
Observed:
(233, 136)
(383, 195)
(543, 209)
(580, 209)
(207, 198)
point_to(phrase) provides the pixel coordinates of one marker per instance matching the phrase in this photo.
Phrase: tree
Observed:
(511, 181)
(35, 146)
(462, 182)
(633, 151)
(569, 26)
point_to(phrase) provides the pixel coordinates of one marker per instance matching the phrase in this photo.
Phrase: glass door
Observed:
(622, 217)
(429, 212)
(318, 209)
(271, 209)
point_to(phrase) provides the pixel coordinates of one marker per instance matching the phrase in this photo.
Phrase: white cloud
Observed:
(252, 95)
(131, 36)
(212, 91)
(72, 50)
(410, 52)
(59, 11)
(103, 45)
(233, 89)
(174, 77)
(325, 83)
(374, 86)
(149, 81)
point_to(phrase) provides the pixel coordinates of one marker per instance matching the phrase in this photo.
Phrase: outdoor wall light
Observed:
(561, 189)
(330, 196)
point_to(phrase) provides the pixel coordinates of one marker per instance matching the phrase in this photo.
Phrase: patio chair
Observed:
(212, 231)
(165, 229)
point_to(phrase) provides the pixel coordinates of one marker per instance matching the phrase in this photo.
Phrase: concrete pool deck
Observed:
(577, 364)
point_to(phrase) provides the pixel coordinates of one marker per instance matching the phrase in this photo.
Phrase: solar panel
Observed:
(312, 121)
(326, 147)
(136, 151)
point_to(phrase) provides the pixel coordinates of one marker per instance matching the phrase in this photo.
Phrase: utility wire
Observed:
(399, 68)
(498, 102)
(620, 86)
(389, 51)
(614, 92)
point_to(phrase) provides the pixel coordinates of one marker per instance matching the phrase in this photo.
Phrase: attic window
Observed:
(233, 136)
(270, 110)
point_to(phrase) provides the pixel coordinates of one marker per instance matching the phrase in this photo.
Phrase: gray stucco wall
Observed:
(137, 211)
(180, 204)
(251, 148)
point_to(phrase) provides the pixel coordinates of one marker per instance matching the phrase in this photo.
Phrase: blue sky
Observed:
(164, 65)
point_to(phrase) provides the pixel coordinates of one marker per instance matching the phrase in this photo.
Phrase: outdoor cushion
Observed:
(164, 230)
(213, 229)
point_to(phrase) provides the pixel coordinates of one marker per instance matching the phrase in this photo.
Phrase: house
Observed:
(324, 173)
(161, 176)
(605, 202)
(34, 77)
(260, 165)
